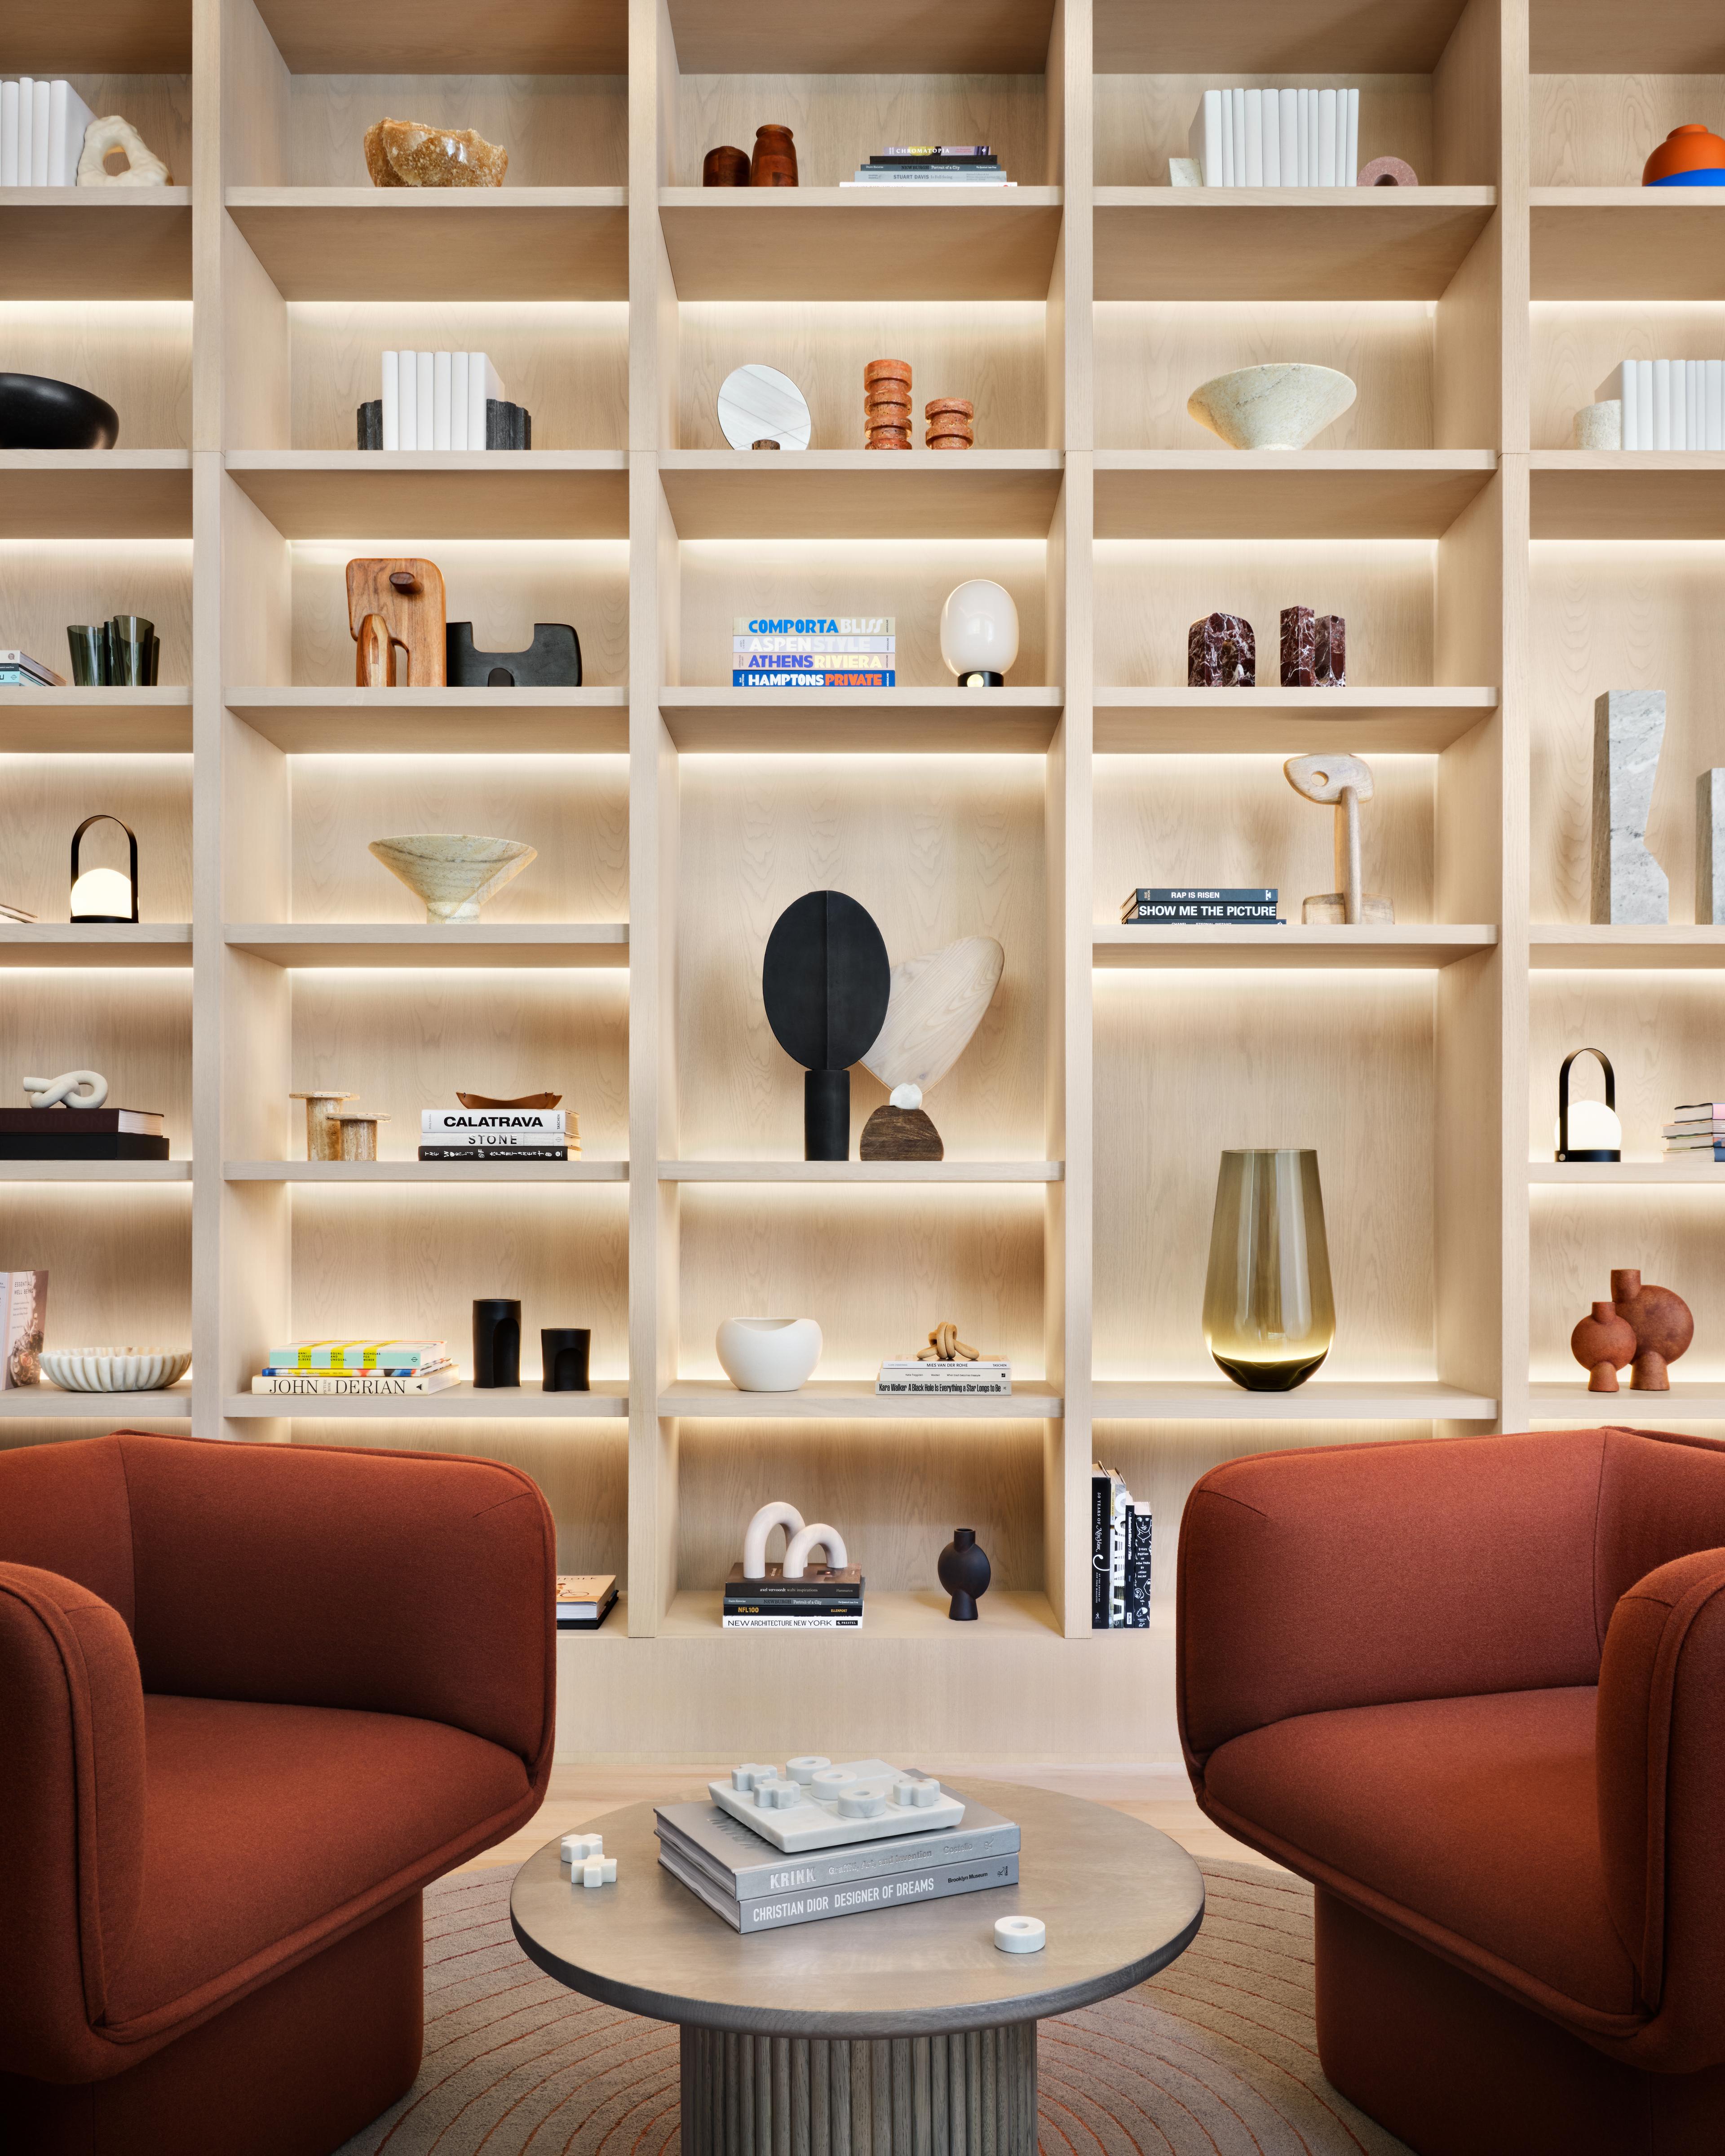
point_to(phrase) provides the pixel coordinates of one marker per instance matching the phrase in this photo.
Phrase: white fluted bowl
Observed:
(768, 1354)
(113, 1369)
(1272, 407)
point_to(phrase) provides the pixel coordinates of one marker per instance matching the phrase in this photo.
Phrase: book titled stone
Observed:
(898, 1890)
(306, 1383)
(745, 1867)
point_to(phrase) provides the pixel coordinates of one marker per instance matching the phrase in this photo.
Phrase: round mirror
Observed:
(759, 404)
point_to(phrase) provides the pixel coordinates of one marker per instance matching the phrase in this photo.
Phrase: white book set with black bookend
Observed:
(41, 130)
(1275, 138)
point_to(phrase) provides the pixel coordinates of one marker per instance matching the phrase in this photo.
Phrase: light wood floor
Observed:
(580, 1796)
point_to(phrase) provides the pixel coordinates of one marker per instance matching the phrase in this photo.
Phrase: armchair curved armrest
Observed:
(1355, 1575)
(404, 1582)
(1661, 1762)
(71, 1814)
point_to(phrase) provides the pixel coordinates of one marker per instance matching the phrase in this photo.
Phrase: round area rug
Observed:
(1217, 2056)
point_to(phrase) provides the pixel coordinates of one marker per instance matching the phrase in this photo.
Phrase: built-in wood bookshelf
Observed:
(1494, 582)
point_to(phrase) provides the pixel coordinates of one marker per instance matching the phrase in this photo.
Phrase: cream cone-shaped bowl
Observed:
(452, 873)
(1272, 407)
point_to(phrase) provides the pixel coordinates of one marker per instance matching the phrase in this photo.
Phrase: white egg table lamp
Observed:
(979, 633)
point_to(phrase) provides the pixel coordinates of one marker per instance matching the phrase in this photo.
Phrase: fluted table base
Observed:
(972, 2093)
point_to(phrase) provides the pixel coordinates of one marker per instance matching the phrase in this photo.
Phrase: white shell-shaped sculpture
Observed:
(75, 1088)
(779, 1514)
(820, 1535)
(1321, 778)
(453, 871)
(143, 167)
(1272, 407)
(935, 1006)
(768, 1354)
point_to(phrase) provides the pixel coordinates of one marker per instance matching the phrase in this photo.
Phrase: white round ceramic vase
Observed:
(768, 1354)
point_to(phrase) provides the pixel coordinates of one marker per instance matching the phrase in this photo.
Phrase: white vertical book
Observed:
(482, 383)
(409, 399)
(1715, 403)
(40, 94)
(440, 400)
(1237, 98)
(1325, 175)
(1696, 371)
(425, 396)
(457, 402)
(1644, 402)
(1679, 409)
(1304, 97)
(8, 134)
(1204, 142)
(1289, 125)
(1255, 138)
(26, 126)
(1662, 404)
(390, 393)
(1272, 138)
(53, 175)
(1349, 174)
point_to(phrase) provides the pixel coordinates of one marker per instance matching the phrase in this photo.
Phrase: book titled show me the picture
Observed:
(814, 651)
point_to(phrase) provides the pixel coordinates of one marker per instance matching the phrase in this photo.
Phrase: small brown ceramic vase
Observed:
(726, 167)
(775, 160)
(1662, 1325)
(1603, 1344)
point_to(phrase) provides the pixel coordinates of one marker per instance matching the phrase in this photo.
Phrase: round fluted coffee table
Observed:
(902, 2029)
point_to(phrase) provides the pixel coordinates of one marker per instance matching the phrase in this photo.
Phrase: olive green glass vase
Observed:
(1269, 1316)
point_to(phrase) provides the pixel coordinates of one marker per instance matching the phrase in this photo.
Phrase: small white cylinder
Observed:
(1600, 426)
(1020, 1934)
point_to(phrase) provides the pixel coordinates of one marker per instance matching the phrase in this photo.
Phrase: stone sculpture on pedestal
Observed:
(1630, 886)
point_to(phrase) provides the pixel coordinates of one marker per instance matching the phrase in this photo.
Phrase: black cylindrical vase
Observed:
(563, 1351)
(826, 1115)
(965, 1572)
(496, 1343)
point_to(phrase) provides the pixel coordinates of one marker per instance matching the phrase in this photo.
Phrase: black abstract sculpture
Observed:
(562, 1353)
(964, 1572)
(496, 1343)
(552, 661)
(825, 981)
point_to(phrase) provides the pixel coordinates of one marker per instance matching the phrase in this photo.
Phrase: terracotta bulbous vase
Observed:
(774, 164)
(965, 1572)
(1603, 1344)
(1662, 1324)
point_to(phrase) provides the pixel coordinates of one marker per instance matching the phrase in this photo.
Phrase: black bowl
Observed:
(39, 413)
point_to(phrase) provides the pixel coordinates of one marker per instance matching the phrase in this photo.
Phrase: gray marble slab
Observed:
(1628, 886)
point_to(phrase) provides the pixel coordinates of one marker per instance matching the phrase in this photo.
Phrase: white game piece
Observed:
(778, 1796)
(927, 1792)
(746, 1778)
(868, 1801)
(830, 1783)
(805, 1770)
(575, 1849)
(599, 1871)
(1020, 1934)
(904, 1792)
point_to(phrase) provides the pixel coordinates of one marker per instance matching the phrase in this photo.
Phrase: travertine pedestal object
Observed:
(1710, 847)
(1630, 886)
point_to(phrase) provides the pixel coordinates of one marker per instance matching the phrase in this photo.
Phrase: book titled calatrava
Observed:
(814, 651)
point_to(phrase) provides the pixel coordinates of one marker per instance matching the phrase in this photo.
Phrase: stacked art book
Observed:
(1669, 403)
(18, 670)
(884, 1860)
(1277, 138)
(933, 164)
(584, 1599)
(491, 1135)
(989, 1377)
(824, 1598)
(1120, 1534)
(1696, 1130)
(442, 400)
(23, 1327)
(1173, 906)
(357, 1369)
(41, 130)
(79, 1133)
(814, 651)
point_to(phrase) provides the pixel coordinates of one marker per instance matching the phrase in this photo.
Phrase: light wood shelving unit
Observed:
(1494, 581)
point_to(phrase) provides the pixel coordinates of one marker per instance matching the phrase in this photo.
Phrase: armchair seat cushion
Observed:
(269, 1831)
(1470, 1823)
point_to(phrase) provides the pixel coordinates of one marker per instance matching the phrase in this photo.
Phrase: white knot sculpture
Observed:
(143, 167)
(64, 1092)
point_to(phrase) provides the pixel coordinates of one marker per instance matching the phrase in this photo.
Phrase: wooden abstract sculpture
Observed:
(396, 606)
(1342, 782)
(935, 1007)
(944, 1346)
(1661, 1322)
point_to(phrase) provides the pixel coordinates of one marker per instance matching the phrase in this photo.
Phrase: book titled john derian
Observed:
(814, 651)
(755, 1888)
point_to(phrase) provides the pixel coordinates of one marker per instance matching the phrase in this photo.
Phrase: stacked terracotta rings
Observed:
(950, 423)
(887, 404)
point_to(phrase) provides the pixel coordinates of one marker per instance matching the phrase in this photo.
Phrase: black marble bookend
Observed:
(552, 661)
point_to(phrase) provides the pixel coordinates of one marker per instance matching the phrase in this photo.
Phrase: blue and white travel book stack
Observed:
(1277, 138)
(814, 651)
(499, 1134)
(1120, 1534)
(933, 164)
(42, 129)
(1669, 403)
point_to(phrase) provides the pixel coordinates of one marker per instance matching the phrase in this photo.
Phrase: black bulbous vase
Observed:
(965, 1572)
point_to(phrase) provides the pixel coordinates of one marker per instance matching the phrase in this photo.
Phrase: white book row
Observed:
(1277, 138)
(436, 400)
(42, 128)
(1669, 403)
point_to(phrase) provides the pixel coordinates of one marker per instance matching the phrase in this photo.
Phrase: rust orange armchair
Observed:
(252, 1699)
(1475, 1691)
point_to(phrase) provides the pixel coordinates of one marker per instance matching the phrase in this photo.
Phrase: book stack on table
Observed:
(1171, 906)
(80, 1133)
(826, 1599)
(818, 651)
(357, 1369)
(933, 164)
(756, 1886)
(1120, 1534)
(18, 670)
(1697, 1131)
(499, 1134)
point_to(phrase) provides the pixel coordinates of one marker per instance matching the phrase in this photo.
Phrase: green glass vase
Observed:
(1269, 1315)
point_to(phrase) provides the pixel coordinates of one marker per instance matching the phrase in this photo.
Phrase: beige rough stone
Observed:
(411, 153)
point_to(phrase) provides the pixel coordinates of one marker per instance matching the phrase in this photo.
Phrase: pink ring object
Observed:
(1387, 173)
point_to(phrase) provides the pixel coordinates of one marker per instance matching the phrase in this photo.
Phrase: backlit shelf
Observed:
(1269, 494)
(479, 943)
(1560, 946)
(96, 493)
(1628, 493)
(491, 722)
(906, 722)
(861, 1170)
(789, 37)
(860, 243)
(1628, 243)
(431, 494)
(462, 1402)
(906, 1615)
(1272, 720)
(106, 243)
(94, 944)
(862, 494)
(1217, 1399)
(342, 1174)
(1626, 1174)
(75, 722)
(96, 1171)
(854, 1400)
(1293, 37)
(118, 36)
(438, 244)
(1603, 37)
(1218, 244)
(113, 1410)
(1698, 1400)
(1422, 946)
(452, 37)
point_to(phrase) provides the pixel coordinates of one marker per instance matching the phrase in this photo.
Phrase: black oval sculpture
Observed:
(825, 981)
(37, 413)
(964, 1572)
